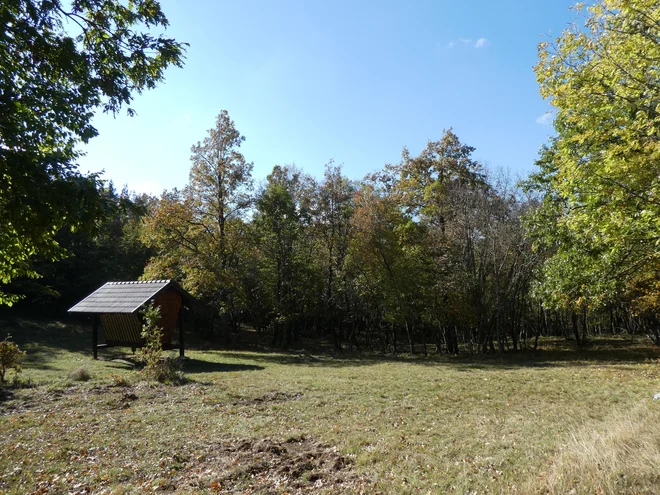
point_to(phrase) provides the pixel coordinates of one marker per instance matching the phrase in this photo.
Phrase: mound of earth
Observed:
(297, 465)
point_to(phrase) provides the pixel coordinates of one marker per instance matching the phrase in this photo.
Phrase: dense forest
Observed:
(434, 253)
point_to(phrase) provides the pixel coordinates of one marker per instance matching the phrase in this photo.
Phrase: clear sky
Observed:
(308, 81)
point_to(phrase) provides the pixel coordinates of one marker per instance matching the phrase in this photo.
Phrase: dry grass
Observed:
(275, 422)
(80, 375)
(620, 455)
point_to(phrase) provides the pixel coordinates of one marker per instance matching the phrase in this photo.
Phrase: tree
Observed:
(423, 182)
(386, 257)
(282, 217)
(220, 181)
(198, 232)
(59, 63)
(444, 188)
(332, 225)
(113, 252)
(603, 81)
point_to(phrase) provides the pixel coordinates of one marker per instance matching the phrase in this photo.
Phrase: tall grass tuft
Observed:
(621, 456)
(80, 375)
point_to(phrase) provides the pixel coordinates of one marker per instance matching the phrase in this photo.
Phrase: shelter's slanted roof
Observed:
(123, 297)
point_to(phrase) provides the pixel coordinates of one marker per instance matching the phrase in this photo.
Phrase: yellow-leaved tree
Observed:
(601, 173)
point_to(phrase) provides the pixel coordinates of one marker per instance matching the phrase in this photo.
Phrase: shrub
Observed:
(80, 375)
(163, 369)
(10, 357)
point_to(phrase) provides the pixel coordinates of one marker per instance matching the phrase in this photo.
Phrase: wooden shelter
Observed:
(118, 305)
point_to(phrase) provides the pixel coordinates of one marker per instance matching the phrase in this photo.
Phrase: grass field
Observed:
(264, 422)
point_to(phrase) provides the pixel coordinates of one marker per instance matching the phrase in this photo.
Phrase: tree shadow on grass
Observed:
(45, 339)
(201, 366)
(74, 336)
(190, 365)
(8, 391)
(546, 358)
(119, 364)
(6, 394)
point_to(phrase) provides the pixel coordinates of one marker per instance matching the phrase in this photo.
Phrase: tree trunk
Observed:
(409, 330)
(576, 329)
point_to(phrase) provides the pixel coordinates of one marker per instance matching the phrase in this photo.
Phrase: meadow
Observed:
(556, 420)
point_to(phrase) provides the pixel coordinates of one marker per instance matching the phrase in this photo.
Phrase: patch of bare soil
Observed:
(124, 401)
(266, 398)
(297, 465)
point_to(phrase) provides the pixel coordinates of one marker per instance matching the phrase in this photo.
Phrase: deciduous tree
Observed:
(199, 232)
(59, 62)
(603, 79)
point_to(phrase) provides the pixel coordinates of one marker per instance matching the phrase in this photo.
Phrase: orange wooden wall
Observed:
(169, 304)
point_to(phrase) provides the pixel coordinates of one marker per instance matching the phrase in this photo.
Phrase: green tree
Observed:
(282, 219)
(386, 257)
(333, 211)
(444, 190)
(604, 183)
(59, 62)
(114, 251)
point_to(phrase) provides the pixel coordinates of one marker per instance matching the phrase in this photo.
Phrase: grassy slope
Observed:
(405, 425)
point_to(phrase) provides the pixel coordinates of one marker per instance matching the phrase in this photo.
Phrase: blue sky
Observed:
(309, 81)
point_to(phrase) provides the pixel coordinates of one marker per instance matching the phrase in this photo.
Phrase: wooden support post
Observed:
(95, 337)
(181, 334)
